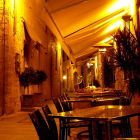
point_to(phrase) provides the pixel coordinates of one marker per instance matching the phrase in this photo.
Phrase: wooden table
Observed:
(106, 113)
(92, 101)
(98, 93)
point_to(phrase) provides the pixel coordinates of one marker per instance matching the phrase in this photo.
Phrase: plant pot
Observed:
(27, 103)
(38, 99)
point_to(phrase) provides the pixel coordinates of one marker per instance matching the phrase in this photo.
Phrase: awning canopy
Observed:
(31, 33)
(84, 23)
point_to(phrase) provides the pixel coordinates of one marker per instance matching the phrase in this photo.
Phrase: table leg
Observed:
(99, 129)
(94, 129)
(108, 130)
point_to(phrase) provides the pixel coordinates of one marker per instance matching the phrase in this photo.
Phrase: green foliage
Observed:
(30, 76)
(127, 57)
(41, 76)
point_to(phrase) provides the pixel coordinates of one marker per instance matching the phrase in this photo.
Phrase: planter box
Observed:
(38, 99)
(27, 103)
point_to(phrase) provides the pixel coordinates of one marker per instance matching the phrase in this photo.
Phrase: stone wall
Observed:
(3, 43)
(47, 57)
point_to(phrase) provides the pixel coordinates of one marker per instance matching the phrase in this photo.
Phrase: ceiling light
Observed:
(102, 50)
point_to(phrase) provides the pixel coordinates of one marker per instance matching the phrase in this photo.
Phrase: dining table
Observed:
(105, 113)
(98, 93)
(94, 100)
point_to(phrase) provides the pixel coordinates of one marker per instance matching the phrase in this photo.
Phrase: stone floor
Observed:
(19, 126)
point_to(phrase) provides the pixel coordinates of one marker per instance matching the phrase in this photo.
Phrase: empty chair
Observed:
(66, 96)
(57, 104)
(61, 122)
(51, 122)
(64, 104)
(72, 123)
(40, 125)
(124, 125)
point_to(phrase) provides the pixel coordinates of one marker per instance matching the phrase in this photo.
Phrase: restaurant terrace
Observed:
(70, 69)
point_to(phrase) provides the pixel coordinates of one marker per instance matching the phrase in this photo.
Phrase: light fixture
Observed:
(64, 77)
(89, 64)
(102, 50)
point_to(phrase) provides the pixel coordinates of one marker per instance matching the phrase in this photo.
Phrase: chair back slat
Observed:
(64, 103)
(57, 104)
(51, 122)
(66, 96)
(40, 125)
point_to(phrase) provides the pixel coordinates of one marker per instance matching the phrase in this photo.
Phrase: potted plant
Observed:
(38, 97)
(30, 77)
(27, 78)
(127, 57)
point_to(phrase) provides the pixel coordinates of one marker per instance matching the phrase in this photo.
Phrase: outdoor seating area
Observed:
(20, 127)
(99, 122)
(70, 70)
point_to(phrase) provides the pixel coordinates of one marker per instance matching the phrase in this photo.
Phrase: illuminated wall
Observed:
(46, 57)
(68, 75)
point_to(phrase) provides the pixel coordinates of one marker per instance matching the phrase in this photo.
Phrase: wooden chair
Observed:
(51, 122)
(61, 122)
(66, 97)
(40, 125)
(124, 125)
(72, 123)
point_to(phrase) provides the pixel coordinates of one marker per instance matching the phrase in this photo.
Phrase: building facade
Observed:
(30, 38)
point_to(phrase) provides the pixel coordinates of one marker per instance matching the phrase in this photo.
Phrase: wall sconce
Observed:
(17, 63)
(64, 77)
(89, 64)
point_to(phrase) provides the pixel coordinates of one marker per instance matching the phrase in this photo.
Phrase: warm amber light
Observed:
(91, 61)
(59, 46)
(107, 39)
(132, 7)
(116, 25)
(110, 19)
(12, 7)
(64, 77)
(126, 4)
(102, 50)
(95, 62)
(115, 46)
(120, 107)
(89, 64)
(119, 5)
(92, 87)
(110, 106)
